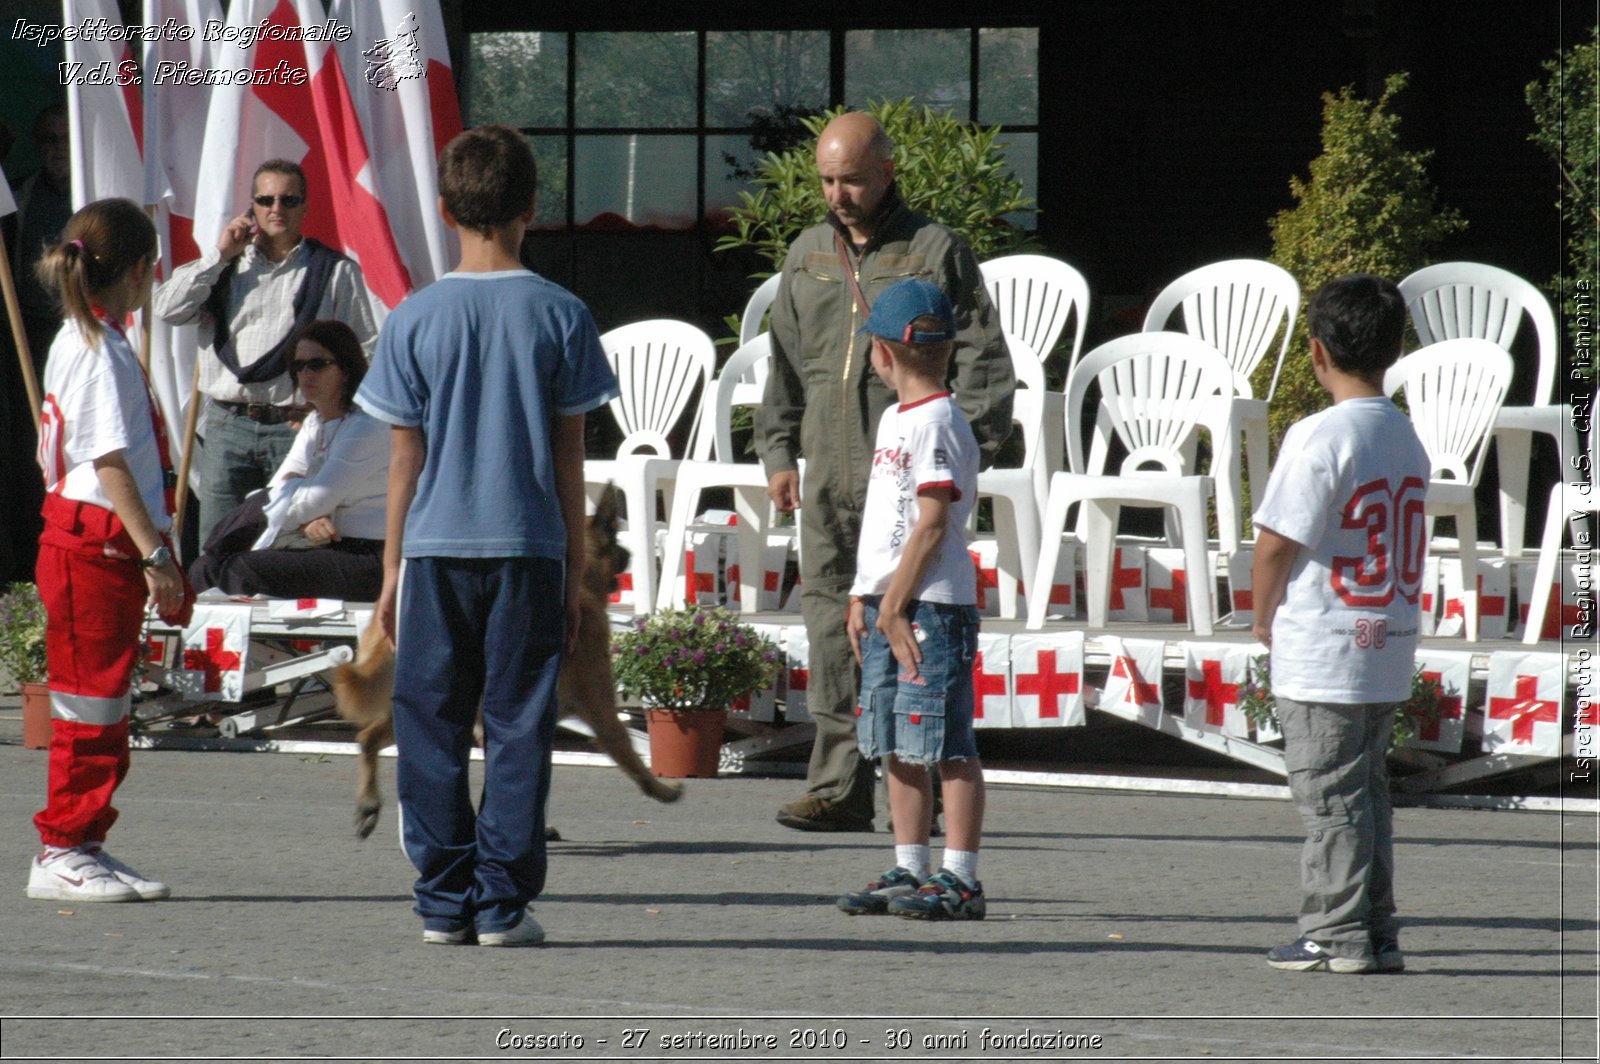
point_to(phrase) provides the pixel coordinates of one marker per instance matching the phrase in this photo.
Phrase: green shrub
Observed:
(1368, 207)
(950, 170)
(1566, 111)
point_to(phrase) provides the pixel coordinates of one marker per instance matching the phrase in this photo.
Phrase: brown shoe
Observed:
(818, 814)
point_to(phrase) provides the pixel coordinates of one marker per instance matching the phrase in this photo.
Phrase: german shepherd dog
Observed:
(364, 689)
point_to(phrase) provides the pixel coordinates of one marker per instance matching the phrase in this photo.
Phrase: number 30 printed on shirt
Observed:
(1397, 544)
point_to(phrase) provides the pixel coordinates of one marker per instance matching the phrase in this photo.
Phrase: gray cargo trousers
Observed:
(1334, 754)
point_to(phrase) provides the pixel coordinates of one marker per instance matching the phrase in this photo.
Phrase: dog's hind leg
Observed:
(369, 801)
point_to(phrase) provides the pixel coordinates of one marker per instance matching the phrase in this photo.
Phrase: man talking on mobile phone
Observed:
(250, 295)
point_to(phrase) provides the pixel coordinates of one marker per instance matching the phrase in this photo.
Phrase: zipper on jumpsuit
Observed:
(844, 386)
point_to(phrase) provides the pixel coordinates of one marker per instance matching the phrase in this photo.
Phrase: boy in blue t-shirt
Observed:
(484, 378)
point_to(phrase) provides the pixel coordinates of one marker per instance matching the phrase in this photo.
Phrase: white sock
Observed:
(964, 863)
(914, 859)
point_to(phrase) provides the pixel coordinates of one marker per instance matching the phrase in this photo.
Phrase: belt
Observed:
(264, 413)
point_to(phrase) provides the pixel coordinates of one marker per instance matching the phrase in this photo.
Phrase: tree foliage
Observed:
(1367, 207)
(1566, 114)
(950, 170)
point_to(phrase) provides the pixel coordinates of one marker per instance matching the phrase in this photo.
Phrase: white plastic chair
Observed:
(755, 309)
(1034, 296)
(1239, 306)
(1453, 390)
(1572, 496)
(1153, 388)
(1018, 493)
(737, 385)
(1456, 299)
(658, 364)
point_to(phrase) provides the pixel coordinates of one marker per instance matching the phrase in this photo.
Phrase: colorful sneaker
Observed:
(1306, 956)
(526, 933)
(875, 898)
(75, 875)
(461, 936)
(1386, 954)
(942, 897)
(147, 889)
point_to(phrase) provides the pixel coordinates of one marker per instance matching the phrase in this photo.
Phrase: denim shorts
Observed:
(928, 719)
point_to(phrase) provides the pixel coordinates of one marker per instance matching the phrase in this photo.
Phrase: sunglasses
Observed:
(315, 365)
(288, 203)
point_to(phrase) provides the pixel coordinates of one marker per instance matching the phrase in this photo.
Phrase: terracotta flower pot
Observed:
(35, 716)
(685, 743)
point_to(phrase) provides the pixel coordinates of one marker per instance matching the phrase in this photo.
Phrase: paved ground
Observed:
(1134, 926)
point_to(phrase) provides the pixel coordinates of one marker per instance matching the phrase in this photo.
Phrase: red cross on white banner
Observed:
(985, 555)
(1524, 704)
(1063, 593)
(1452, 670)
(1133, 684)
(797, 673)
(1047, 680)
(1241, 598)
(1494, 597)
(1169, 586)
(213, 658)
(1213, 676)
(991, 688)
(1566, 605)
(1128, 602)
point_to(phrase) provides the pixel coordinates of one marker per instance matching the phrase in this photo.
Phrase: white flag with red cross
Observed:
(762, 704)
(1047, 680)
(1494, 598)
(796, 673)
(991, 682)
(1568, 610)
(1522, 705)
(1428, 599)
(1451, 670)
(1129, 599)
(702, 569)
(304, 609)
(1168, 579)
(774, 560)
(1241, 598)
(1063, 585)
(985, 554)
(1213, 676)
(105, 106)
(216, 647)
(1133, 683)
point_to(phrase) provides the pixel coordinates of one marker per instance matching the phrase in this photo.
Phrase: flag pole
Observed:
(30, 380)
(190, 425)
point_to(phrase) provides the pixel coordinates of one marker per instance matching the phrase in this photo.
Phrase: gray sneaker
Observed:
(1386, 954)
(874, 899)
(526, 933)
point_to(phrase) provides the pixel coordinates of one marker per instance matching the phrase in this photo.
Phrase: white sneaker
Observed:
(527, 933)
(75, 875)
(458, 937)
(147, 889)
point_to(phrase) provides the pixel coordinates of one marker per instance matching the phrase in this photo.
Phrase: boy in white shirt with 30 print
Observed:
(913, 617)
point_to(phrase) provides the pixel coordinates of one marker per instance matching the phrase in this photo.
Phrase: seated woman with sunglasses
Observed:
(316, 530)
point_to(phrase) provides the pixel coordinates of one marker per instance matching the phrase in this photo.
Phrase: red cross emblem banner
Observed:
(211, 663)
(1129, 600)
(304, 609)
(1451, 669)
(1564, 614)
(1213, 675)
(1063, 584)
(1494, 598)
(796, 673)
(1047, 680)
(774, 560)
(985, 555)
(991, 682)
(1428, 602)
(1133, 683)
(1522, 711)
(1240, 612)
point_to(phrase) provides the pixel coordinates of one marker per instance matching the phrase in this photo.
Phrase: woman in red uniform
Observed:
(106, 548)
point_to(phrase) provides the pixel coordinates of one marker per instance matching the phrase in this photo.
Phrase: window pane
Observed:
(550, 153)
(517, 78)
(757, 73)
(1022, 159)
(730, 169)
(638, 179)
(1008, 76)
(636, 79)
(929, 65)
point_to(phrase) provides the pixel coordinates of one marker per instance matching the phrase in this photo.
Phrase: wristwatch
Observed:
(158, 557)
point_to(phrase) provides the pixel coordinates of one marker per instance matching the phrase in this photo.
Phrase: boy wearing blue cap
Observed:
(913, 616)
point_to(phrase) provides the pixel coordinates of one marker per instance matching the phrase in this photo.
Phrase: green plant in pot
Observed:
(22, 646)
(687, 666)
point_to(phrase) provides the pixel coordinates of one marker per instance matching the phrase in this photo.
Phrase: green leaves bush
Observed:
(1566, 114)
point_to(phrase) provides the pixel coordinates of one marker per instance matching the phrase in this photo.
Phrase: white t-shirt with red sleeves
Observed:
(920, 445)
(95, 403)
(1349, 486)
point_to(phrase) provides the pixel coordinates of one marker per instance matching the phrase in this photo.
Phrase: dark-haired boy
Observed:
(1340, 544)
(913, 617)
(485, 377)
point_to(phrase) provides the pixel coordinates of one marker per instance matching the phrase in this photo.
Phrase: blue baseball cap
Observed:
(906, 301)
